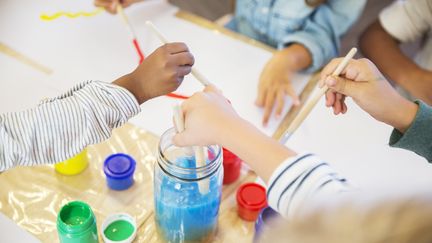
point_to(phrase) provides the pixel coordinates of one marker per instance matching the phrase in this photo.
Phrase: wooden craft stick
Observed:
(24, 59)
(197, 74)
(200, 152)
(310, 104)
(126, 21)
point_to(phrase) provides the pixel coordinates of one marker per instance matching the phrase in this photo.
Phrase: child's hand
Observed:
(160, 73)
(275, 83)
(111, 5)
(209, 117)
(362, 81)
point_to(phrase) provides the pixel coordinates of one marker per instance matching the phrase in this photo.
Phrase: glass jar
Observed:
(183, 212)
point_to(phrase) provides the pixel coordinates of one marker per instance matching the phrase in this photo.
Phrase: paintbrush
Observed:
(131, 31)
(197, 74)
(310, 104)
(200, 158)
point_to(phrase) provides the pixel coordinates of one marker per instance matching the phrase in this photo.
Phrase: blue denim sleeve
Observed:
(321, 32)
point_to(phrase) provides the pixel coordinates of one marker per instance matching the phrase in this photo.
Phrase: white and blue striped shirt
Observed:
(300, 180)
(61, 127)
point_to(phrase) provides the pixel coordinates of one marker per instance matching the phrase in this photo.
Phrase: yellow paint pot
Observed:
(73, 165)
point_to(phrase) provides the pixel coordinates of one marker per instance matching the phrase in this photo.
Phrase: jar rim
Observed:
(206, 170)
(67, 209)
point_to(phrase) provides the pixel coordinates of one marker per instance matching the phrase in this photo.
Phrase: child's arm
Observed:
(61, 127)
(292, 179)
(362, 81)
(401, 22)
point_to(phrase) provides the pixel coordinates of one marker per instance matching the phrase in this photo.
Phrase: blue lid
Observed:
(119, 166)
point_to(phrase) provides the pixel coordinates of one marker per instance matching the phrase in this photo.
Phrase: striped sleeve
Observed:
(61, 127)
(297, 181)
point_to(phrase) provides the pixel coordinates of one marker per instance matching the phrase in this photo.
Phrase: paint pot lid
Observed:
(119, 228)
(119, 166)
(251, 196)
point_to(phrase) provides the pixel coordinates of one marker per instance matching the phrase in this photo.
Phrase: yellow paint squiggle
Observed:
(71, 15)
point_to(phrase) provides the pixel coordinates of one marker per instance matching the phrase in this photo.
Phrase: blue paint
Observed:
(182, 213)
(119, 170)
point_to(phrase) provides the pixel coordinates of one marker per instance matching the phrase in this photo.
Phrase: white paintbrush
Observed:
(310, 104)
(200, 157)
(197, 74)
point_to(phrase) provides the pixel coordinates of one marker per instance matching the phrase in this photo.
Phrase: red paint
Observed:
(251, 198)
(138, 49)
(177, 96)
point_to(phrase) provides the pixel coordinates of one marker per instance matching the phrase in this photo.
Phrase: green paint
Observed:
(76, 223)
(75, 220)
(119, 230)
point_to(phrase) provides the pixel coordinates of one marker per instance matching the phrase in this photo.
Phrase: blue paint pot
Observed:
(119, 169)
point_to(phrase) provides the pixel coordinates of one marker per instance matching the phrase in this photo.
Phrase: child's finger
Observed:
(262, 93)
(182, 139)
(339, 97)
(184, 58)
(344, 107)
(342, 85)
(280, 102)
(330, 67)
(105, 4)
(291, 92)
(183, 70)
(268, 107)
(176, 47)
(337, 107)
(330, 98)
(102, 3)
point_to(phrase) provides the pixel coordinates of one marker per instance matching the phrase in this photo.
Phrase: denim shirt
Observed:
(282, 22)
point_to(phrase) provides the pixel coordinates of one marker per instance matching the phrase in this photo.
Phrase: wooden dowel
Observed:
(200, 152)
(310, 104)
(197, 74)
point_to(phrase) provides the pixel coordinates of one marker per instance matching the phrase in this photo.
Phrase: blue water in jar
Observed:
(183, 214)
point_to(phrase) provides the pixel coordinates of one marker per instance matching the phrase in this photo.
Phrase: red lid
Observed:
(252, 196)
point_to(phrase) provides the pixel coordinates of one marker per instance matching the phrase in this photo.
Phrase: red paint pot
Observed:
(251, 198)
(232, 166)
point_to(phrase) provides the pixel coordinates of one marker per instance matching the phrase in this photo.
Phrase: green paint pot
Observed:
(119, 228)
(77, 223)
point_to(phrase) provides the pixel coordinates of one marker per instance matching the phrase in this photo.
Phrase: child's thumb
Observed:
(181, 140)
(342, 85)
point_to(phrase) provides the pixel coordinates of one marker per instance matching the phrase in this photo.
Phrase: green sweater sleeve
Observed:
(418, 137)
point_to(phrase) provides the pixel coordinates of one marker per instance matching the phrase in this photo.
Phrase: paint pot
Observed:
(119, 170)
(76, 223)
(119, 228)
(232, 166)
(73, 166)
(251, 199)
(267, 219)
